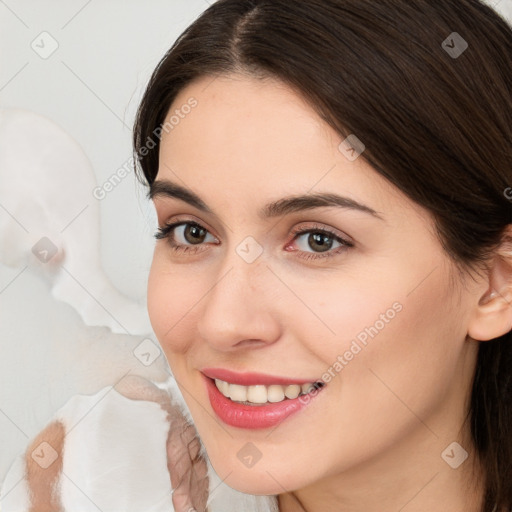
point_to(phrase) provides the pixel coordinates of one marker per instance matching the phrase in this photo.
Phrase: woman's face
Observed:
(352, 289)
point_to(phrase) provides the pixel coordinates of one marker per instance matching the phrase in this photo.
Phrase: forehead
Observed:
(252, 120)
(248, 138)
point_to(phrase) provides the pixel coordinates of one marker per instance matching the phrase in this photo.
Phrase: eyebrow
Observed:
(166, 188)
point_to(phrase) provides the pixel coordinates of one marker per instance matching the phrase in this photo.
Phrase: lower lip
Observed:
(253, 416)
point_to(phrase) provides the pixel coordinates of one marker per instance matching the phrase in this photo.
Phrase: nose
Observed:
(240, 310)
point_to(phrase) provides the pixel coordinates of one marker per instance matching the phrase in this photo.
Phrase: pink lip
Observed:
(253, 416)
(250, 378)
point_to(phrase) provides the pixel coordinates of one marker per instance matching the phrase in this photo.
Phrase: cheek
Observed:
(398, 353)
(392, 317)
(344, 318)
(172, 298)
(408, 348)
(158, 299)
(384, 342)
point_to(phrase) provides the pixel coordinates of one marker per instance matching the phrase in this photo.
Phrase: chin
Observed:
(260, 480)
(254, 484)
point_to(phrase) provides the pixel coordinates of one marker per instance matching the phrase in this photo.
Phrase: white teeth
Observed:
(260, 394)
(223, 386)
(292, 391)
(237, 393)
(275, 393)
(256, 394)
(306, 388)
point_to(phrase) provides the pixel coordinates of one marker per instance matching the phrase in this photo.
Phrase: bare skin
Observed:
(374, 438)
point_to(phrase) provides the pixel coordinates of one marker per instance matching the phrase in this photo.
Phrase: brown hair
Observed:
(436, 124)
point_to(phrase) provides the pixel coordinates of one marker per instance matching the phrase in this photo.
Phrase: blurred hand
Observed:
(187, 467)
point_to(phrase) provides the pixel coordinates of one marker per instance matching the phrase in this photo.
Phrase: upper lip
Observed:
(251, 378)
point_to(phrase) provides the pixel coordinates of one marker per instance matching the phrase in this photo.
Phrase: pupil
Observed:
(194, 231)
(322, 240)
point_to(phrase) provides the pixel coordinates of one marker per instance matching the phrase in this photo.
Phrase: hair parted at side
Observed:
(439, 128)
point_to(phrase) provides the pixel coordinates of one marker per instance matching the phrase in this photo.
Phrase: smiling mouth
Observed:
(261, 394)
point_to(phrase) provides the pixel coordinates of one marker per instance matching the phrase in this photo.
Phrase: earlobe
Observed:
(492, 316)
(492, 319)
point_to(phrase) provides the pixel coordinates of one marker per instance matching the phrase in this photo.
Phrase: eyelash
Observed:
(166, 232)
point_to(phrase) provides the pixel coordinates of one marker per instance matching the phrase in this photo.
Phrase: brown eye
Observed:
(320, 242)
(185, 236)
(194, 234)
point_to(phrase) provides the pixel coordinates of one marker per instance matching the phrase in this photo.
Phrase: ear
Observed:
(493, 314)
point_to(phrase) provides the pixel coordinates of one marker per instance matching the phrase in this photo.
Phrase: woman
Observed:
(332, 278)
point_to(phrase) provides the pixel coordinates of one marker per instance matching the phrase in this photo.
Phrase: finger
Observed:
(192, 491)
(187, 467)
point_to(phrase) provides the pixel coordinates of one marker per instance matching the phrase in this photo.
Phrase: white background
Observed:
(90, 86)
